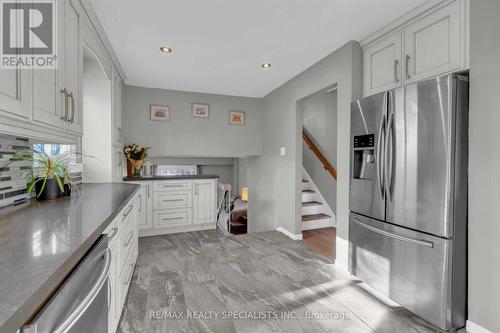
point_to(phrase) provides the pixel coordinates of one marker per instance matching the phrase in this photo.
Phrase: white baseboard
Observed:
(472, 327)
(289, 234)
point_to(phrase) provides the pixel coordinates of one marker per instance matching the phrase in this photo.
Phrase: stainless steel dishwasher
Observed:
(81, 303)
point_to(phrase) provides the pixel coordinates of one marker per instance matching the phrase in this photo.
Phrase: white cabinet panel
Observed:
(382, 65)
(204, 201)
(178, 199)
(72, 67)
(117, 107)
(172, 217)
(142, 205)
(46, 97)
(434, 45)
(15, 92)
(172, 185)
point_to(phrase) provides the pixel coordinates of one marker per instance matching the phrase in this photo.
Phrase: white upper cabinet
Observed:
(204, 201)
(46, 97)
(15, 92)
(382, 65)
(433, 43)
(72, 67)
(117, 108)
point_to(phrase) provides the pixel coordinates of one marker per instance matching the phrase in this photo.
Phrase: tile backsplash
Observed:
(12, 185)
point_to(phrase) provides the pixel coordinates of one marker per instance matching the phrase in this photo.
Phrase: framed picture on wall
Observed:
(236, 118)
(200, 110)
(159, 112)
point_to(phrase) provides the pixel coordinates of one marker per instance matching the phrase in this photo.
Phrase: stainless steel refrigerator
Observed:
(408, 197)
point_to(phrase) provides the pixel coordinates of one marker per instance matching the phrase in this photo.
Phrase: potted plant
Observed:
(48, 175)
(136, 155)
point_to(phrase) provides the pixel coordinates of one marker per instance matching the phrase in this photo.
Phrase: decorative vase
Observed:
(50, 192)
(136, 166)
(129, 168)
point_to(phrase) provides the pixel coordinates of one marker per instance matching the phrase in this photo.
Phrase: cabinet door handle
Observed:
(129, 238)
(148, 190)
(396, 78)
(407, 65)
(140, 203)
(128, 211)
(113, 233)
(65, 92)
(70, 95)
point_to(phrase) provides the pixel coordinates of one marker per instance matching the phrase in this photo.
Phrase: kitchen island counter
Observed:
(42, 242)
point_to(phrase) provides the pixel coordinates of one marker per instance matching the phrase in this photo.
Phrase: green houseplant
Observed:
(48, 175)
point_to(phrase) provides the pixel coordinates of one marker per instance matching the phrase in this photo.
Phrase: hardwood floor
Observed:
(321, 241)
(201, 282)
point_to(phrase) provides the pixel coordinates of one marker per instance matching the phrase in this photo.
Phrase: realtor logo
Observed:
(28, 34)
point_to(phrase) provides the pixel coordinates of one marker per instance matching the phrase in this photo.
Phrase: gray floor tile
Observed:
(261, 282)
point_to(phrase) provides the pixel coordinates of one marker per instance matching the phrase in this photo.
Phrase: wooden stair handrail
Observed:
(312, 146)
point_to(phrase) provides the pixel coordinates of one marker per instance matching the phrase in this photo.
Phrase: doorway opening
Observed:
(317, 114)
(97, 112)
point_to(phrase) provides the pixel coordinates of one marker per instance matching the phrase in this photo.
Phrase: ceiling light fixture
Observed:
(267, 65)
(165, 49)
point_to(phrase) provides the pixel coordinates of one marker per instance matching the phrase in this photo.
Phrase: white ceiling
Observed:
(219, 45)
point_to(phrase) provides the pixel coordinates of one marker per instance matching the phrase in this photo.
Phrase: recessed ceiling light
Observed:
(266, 65)
(165, 49)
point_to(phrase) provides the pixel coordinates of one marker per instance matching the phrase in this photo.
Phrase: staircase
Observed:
(315, 211)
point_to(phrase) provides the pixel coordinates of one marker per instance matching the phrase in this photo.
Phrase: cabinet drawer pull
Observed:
(172, 200)
(128, 211)
(172, 219)
(171, 186)
(129, 238)
(113, 233)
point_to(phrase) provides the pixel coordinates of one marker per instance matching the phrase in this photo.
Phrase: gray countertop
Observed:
(41, 242)
(135, 179)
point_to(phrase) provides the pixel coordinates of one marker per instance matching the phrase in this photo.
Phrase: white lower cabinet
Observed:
(171, 206)
(203, 201)
(123, 242)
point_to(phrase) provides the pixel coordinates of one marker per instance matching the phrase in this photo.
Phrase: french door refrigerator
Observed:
(408, 197)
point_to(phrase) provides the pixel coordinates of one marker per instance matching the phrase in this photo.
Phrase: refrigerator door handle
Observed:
(389, 152)
(380, 153)
(420, 242)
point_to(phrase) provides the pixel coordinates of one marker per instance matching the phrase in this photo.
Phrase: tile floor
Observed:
(262, 282)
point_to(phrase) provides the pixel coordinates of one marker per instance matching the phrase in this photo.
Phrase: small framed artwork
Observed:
(159, 112)
(236, 118)
(200, 110)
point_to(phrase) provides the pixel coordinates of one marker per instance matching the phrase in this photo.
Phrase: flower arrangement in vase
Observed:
(136, 155)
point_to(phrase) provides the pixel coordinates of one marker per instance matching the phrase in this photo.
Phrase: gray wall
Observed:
(242, 172)
(319, 113)
(184, 135)
(484, 165)
(275, 200)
